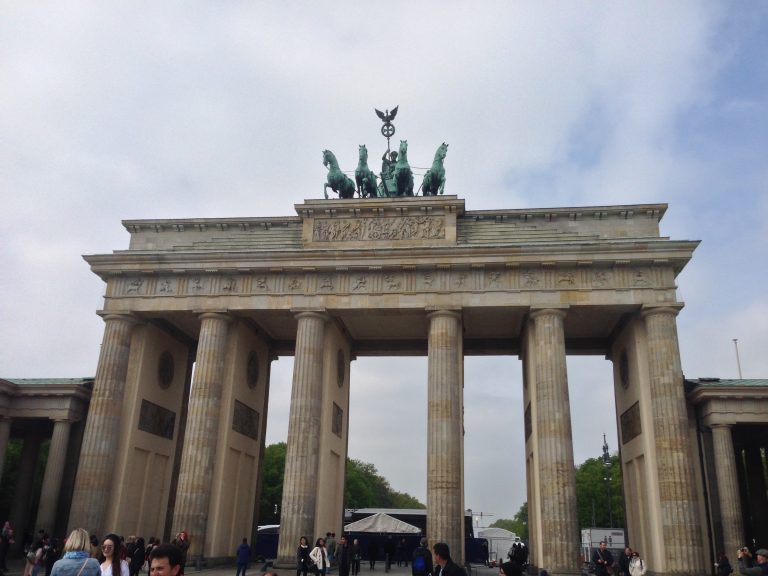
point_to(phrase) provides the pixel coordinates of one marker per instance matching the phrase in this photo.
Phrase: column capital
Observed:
(725, 425)
(124, 316)
(320, 313)
(562, 312)
(434, 312)
(673, 309)
(214, 314)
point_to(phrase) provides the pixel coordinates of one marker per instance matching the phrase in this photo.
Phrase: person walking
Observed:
(319, 556)
(637, 566)
(77, 560)
(624, 560)
(373, 552)
(303, 562)
(136, 559)
(243, 554)
(342, 556)
(723, 566)
(421, 562)
(355, 554)
(602, 559)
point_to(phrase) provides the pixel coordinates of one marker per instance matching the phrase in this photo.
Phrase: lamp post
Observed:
(607, 479)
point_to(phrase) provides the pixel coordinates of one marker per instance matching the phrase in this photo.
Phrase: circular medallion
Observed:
(388, 130)
(340, 363)
(252, 371)
(624, 369)
(165, 370)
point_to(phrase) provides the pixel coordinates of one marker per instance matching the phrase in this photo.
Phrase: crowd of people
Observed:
(113, 554)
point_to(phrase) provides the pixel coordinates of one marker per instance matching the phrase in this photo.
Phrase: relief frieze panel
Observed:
(375, 280)
(390, 228)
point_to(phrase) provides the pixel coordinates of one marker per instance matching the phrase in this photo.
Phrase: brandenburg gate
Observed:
(195, 310)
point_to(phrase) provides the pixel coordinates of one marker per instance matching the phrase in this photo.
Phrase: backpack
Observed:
(419, 563)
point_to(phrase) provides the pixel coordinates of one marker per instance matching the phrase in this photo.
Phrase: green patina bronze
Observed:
(337, 180)
(403, 175)
(364, 176)
(434, 180)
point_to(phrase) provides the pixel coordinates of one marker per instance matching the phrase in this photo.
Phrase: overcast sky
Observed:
(121, 110)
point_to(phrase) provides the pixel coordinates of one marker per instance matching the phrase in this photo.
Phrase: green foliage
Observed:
(272, 484)
(593, 493)
(364, 487)
(518, 524)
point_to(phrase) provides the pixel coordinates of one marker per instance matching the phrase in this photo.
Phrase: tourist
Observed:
(303, 562)
(624, 561)
(510, 569)
(422, 560)
(136, 557)
(400, 553)
(7, 539)
(373, 552)
(443, 559)
(602, 559)
(182, 543)
(77, 558)
(723, 565)
(34, 555)
(355, 554)
(330, 547)
(636, 565)
(150, 546)
(111, 564)
(243, 555)
(389, 553)
(758, 570)
(342, 556)
(51, 553)
(165, 560)
(319, 556)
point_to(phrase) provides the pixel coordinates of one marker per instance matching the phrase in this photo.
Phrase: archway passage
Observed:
(382, 276)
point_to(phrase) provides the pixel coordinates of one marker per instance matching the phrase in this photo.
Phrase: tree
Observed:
(518, 524)
(593, 493)
(364, 487)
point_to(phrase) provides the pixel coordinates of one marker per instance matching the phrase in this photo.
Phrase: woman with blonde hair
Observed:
(77, 559)
(111, 564)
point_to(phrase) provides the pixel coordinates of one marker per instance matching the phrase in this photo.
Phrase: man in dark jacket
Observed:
(602, 559)
(445, 566)
(624, 561)
(759, 569)
(243, 557)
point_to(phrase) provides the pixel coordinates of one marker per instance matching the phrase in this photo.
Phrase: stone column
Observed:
(297, 514)
(727, 487)
(5, 434)
(683, 547)
(558, 516)
(201, 435)
(54, 470)
(22, 493)
(445, 516)
(97, 454)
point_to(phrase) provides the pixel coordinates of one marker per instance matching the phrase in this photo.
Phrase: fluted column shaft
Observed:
(201, 434)
(559, 520)
(679, 517)
(97, 455)
(297, 514)
(5, 434)
(445, 517)
(54, 470)
(727, 487)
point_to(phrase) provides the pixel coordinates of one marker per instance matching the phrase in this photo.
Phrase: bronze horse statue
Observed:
(403, 174)
(337, 180)
(434, 180)
(364, 176)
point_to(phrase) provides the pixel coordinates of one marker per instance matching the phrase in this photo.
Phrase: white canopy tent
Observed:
(499, 542)
(381, 523)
